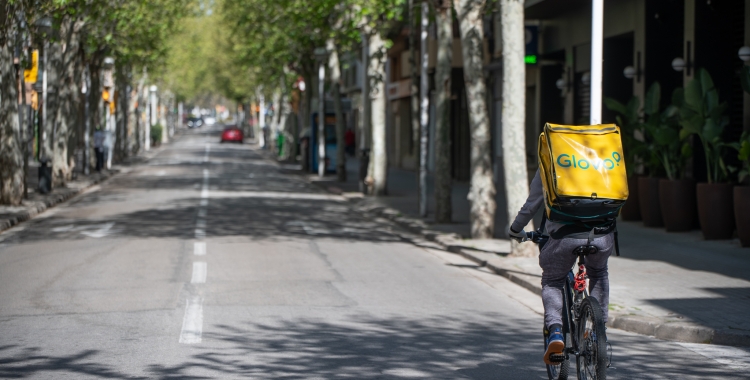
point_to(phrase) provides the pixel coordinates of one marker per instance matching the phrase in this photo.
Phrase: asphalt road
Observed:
(210, 261)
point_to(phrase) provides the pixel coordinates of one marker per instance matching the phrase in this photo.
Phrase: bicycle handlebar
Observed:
(534, 237)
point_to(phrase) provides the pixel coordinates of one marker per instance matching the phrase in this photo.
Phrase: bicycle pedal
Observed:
(557, 358)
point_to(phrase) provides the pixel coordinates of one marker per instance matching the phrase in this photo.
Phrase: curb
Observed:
(51, 201)
(57, 198)
(661, 329)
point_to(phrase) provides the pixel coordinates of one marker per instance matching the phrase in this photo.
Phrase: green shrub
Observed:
(156, 131)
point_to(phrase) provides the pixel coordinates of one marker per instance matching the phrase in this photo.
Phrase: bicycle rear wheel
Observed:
(592, 345)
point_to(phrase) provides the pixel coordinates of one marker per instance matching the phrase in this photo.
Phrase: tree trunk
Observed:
(65, 67)
(414, 47)
(514, 115)
(335, 70)
(54, 87)
(261, 118)
(95, 99)
(482, 189)
(138, 108)
(379, 157)
(274, 128)
(444, 24)
(11, 155)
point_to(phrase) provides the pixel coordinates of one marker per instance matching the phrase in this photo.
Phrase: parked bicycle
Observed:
(583, 324)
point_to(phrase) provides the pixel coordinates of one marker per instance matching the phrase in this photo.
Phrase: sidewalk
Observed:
(36, 203)
(674, 286)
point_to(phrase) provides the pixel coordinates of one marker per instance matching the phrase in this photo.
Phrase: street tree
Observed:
(443, 68)
(513, 118)
(482, 189)
(11, 155)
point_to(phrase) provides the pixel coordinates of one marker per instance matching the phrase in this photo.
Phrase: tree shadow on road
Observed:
(363, 347)
(30, 362)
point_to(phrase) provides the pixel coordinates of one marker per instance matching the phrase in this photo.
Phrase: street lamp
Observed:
(321, 54)
(586, 78)
(744, 53)
(679, 64)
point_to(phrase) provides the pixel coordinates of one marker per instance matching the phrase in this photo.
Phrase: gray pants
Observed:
(556, 259)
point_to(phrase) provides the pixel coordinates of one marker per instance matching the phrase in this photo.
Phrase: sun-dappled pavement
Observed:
(210, 261)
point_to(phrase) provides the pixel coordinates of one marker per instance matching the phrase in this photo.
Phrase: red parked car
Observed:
(232, 134)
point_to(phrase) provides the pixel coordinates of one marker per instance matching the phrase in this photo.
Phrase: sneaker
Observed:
(555, 344)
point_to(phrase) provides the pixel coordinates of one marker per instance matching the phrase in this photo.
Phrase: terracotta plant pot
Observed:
(742, 213)
(677, 201)
(632, 208)
(648, 199)
(715, 210)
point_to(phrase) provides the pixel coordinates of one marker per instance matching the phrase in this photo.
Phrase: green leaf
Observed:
(694, 95)
(678, 97)
(685, 133)
(692, 125)
(711, 130)
(686, 150)
(614, 105)
(712, 100)
(707, 84)
(633, 106)
(744, 151)
(653, 97)
(665, 135)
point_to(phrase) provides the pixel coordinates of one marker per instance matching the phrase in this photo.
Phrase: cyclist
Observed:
(556, 259)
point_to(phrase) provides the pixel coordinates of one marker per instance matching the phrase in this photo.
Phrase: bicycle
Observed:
(583, 323)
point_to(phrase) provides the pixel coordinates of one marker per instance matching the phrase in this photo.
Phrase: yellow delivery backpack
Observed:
(583, 173)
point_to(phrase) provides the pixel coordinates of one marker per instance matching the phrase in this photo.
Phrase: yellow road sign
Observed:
(30, 75)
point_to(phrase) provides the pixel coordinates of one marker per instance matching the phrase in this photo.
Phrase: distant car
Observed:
(194, 122)
(210, 120)
(232, 134)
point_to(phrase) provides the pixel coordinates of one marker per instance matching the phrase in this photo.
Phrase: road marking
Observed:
(102, 232)
(208, 150)
(204, 202)
(202, 213)
(200, 270)
(199, 248)
(192, 322)
(200, 233)
(67, 228)
(204, 191)
(200, 224)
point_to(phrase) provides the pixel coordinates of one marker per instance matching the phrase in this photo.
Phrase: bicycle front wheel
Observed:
(592, 345)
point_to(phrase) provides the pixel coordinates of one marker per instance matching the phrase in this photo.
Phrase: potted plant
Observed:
(702, 115)
(629, 123)
(676, 194)
(742, 193)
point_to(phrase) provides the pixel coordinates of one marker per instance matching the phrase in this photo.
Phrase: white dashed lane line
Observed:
(192, 322)
(199, 248)
(200, 270)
